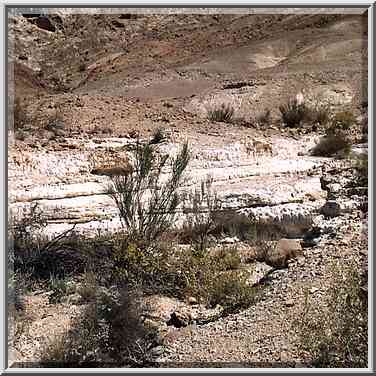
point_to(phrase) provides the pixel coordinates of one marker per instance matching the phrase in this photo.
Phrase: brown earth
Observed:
(151, 71)
(106, 76)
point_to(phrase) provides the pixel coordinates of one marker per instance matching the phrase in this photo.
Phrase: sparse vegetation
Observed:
(36, 257)
(231, 223)
(199, 207)
(159, 135)
(336, 334)
(362, 170)
(192, 257)
(59, 289)
(264, 118)
(229, 257)
(211, 280)
(78, 346)
(342, 121)
(293, 113)
(19, 114)
(222, 113)
(88, 287)
(130, 340)
(336, 139)
(320, 114)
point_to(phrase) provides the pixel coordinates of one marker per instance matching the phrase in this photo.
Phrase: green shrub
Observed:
(147, 206)
(223, 113)
(232, 291)
(209, 280)
(229, 258)
(59, 289)
(335, 335)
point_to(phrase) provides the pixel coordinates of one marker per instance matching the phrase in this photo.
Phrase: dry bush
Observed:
(183, 273)
(158, 136)
(36, 257)
(88, 287)
(129, 339)
(231, 223)
(199, 207)
(210, 280)
(229, 257)
(343, 120)
(19, 114)
(320, 114)
(336, 334)
(232, 291)
(332, 144)
(265, 118)
(110, 332)
(80, 346)
(221, 113)
(293, 113)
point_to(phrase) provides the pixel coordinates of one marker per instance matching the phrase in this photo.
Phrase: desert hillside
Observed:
(238, 261)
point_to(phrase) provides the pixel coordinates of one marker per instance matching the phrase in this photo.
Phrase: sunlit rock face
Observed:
(281, 190)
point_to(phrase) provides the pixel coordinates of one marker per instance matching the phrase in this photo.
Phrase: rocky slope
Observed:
(88, 86)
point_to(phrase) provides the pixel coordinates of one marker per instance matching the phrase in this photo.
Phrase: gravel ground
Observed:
(266, 333)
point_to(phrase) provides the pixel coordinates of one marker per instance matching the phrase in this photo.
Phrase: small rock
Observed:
(192, 300)
(331, 209)
(301, 260)
(289, 303)
(284, 357)
(151, 324)
(313, 290)
(334, 187)
(180, 319)
(118, 24)
(74, 299)
(229, 240)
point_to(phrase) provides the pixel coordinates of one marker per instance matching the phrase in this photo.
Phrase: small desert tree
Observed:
(146, 202)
